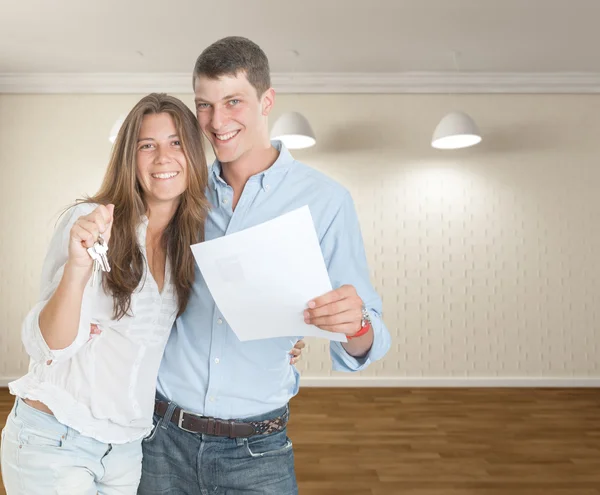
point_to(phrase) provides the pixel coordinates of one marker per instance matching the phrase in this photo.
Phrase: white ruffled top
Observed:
(103, 385)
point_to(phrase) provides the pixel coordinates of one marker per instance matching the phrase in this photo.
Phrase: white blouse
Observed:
(102, 385)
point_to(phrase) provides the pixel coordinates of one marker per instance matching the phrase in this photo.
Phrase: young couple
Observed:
(137, 384)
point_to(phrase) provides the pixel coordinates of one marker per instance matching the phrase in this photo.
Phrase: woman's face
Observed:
(161, 164)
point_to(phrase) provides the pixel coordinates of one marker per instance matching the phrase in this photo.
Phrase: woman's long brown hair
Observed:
(121, 188)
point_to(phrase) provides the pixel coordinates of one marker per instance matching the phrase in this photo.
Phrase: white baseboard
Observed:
(416, 382)
(464, 382)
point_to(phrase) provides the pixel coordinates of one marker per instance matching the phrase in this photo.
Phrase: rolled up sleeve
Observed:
(344, 253)
(52, 271)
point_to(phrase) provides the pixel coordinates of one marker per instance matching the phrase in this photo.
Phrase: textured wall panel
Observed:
(486, 258)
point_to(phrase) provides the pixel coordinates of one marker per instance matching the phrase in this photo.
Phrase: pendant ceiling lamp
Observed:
(114, 131)
(457, 129)
(294, 131)
(292, 128)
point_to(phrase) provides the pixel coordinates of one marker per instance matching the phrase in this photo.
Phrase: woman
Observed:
(87, 402)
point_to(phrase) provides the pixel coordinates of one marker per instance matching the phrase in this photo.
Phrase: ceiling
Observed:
(330, 36)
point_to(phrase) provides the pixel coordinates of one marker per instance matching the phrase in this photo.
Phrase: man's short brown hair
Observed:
(232, 55)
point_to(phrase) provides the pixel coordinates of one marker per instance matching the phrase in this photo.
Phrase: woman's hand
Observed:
(297, 351)
(85, 232)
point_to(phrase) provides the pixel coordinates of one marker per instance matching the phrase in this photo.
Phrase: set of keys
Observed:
(98, 253)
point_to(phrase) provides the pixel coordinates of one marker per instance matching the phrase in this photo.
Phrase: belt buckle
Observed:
(180, 421)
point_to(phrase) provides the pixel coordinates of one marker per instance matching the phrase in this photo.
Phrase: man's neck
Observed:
(237, 173)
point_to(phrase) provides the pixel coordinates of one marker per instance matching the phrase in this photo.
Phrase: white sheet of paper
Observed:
(263, 277)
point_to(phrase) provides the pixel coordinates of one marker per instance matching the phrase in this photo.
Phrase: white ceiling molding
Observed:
(410, 82)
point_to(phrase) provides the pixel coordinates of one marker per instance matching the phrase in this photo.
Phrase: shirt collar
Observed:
(280, 166)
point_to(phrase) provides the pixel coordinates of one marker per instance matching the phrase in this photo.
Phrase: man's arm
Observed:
(341, 309)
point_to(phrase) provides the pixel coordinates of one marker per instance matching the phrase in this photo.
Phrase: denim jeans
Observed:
(183, 463)
(41, 456)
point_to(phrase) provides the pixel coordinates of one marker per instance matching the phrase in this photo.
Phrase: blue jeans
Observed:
(179, 462)
(41, 456)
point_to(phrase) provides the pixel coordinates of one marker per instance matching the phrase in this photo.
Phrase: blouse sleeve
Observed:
(52, 271)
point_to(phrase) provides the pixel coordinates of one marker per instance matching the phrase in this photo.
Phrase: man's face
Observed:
(231, 115)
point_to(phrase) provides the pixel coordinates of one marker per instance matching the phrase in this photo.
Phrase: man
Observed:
(222, 404)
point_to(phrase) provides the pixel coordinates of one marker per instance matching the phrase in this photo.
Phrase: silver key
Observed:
(101, 249)
(96, 268)
(95, 271)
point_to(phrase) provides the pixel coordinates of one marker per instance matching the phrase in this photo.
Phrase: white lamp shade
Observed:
(115, 129)
(455, 130)
(294, 131)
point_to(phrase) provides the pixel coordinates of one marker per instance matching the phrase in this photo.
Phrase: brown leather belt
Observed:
(195, 423)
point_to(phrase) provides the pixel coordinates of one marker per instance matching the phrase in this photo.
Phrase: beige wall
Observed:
(485, 257)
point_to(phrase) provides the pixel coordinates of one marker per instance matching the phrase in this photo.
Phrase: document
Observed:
(263, 277)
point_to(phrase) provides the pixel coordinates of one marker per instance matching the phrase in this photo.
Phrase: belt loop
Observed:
(166, 419)
(210, 426)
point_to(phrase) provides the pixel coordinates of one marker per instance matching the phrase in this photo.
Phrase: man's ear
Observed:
(267, 101)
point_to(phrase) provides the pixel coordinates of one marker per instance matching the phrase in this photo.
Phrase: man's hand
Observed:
(337, 311)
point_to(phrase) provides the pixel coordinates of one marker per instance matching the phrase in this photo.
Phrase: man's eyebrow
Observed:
(228, 97)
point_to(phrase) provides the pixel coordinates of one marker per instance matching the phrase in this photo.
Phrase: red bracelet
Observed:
(361, 332)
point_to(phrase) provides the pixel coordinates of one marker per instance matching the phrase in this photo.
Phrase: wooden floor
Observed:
(443, 441)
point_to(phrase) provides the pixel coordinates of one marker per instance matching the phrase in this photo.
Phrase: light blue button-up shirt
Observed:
(206, 369)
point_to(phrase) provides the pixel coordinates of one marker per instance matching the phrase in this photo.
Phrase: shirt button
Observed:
(212, 399)
(267, 187)
(220, 321)
(217, 360)
(224, 201)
